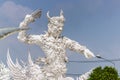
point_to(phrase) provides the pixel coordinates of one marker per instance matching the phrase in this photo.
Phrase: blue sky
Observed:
(93, 23)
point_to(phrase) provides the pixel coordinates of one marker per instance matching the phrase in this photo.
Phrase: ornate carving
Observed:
(4, 72)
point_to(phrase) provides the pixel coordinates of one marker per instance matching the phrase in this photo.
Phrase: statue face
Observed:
(55, 24)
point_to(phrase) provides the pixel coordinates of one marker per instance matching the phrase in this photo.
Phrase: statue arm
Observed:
(75, 46)
(23, 36)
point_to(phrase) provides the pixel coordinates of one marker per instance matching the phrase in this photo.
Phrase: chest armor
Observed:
(54, 48)
(52, 45)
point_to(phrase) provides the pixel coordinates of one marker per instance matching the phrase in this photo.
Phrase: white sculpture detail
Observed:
(54, 46)
(4, 72)
(30, 71)
(86, 75)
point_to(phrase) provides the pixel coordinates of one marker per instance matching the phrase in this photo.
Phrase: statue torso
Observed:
(55, 51)
(54, 48)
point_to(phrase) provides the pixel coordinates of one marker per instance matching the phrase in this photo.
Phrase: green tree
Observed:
(106, 73)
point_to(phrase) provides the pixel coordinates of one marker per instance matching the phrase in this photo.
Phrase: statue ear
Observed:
(48, 16)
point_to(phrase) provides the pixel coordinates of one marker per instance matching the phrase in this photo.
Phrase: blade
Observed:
(37, 13)
(4, 32)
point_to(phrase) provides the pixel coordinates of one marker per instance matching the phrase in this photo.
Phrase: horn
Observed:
(61, 12)
(48, 16)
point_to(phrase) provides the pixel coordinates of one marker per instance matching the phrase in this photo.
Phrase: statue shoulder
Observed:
(65, 38)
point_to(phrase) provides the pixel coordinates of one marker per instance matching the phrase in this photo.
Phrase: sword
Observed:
(4, 32)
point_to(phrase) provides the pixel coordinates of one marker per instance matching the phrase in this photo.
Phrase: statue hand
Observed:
(31, 17)
(88, 53)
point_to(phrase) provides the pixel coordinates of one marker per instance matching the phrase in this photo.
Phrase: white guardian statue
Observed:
(53, 44)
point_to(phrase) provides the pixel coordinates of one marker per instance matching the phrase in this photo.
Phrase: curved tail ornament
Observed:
(16, 70)
(30, 71)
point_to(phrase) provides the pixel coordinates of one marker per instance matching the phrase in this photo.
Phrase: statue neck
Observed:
(52, 35)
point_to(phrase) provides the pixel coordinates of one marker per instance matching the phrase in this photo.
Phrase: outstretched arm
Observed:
(75, 46)
(22, 36)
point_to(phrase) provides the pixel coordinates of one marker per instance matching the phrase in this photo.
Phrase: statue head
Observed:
(55, 24)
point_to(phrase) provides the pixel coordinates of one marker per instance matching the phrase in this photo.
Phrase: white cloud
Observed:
(12, 13)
